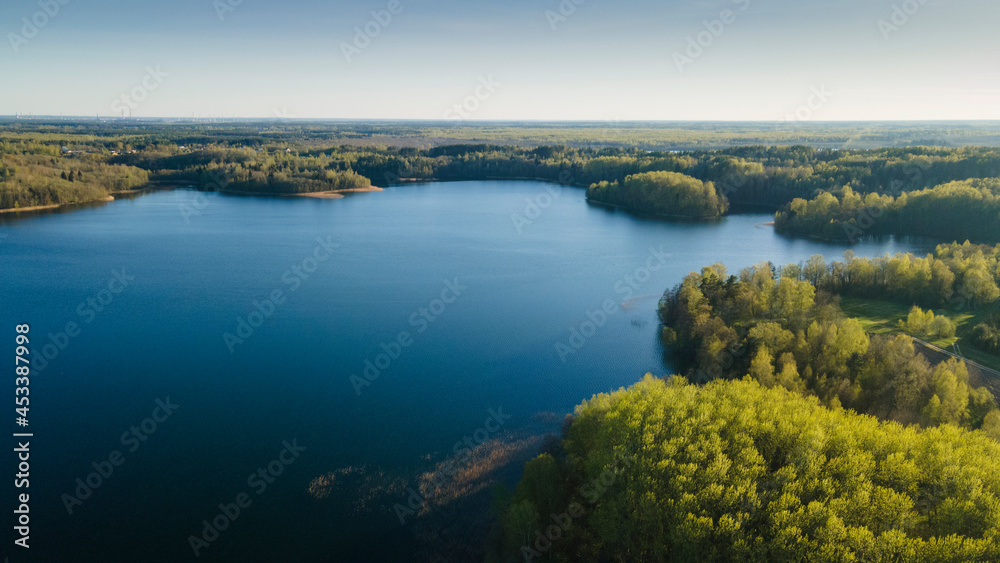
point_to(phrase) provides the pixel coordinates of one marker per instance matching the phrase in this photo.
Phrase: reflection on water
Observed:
(68, 208)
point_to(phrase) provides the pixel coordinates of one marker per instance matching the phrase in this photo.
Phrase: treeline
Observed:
(386, 166)
(287, 159)
(776, 328)
(36, 174)
(250, 170)
(637, 134)
(664, 194)
(964, 276)
(963, 210)
(757, 176)
(734, 471)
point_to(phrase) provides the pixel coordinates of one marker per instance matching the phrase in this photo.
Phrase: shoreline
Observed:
(55, 205)
(680, 218)
(124, 194)
(327, 194)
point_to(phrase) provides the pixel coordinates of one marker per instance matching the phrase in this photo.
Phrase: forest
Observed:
(960, 210)
(749, 176)
(794, 434)
(34, 174)
(803, 183)
(783, 331)
(736, 471)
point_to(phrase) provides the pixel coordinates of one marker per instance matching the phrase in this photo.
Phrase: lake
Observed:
(305, 361)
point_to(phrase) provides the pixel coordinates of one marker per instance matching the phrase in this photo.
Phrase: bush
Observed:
(941, 327)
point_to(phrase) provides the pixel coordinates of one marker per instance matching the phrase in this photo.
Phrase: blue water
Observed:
(524, 286)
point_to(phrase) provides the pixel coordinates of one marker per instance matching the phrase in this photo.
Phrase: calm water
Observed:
(161, 335)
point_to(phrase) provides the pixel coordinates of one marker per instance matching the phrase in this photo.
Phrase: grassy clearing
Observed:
(882, 317)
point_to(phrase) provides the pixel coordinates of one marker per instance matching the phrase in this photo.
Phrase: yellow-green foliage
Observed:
(662, 193)
(923, 323)
(965, 209)
(733, 471)
(779, 330)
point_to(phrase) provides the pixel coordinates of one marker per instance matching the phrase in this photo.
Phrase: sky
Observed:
(595, 60)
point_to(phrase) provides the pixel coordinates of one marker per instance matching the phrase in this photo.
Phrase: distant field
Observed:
(641, 134)
(882, 317)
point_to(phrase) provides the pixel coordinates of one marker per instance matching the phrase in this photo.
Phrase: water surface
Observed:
(199, 265)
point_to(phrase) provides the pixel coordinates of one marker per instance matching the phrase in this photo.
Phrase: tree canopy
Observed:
(777, 329)
(960, 210)
(670, 194)
(734, 471)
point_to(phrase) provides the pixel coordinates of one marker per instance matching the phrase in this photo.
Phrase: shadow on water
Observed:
(13, 216)
(447, 504)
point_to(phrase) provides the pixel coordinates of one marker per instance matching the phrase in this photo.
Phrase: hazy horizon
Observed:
(460, 123)
(556, 60)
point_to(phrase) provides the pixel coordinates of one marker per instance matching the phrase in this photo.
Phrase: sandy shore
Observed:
(53, 206)
(337, 194)
(322, 195)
